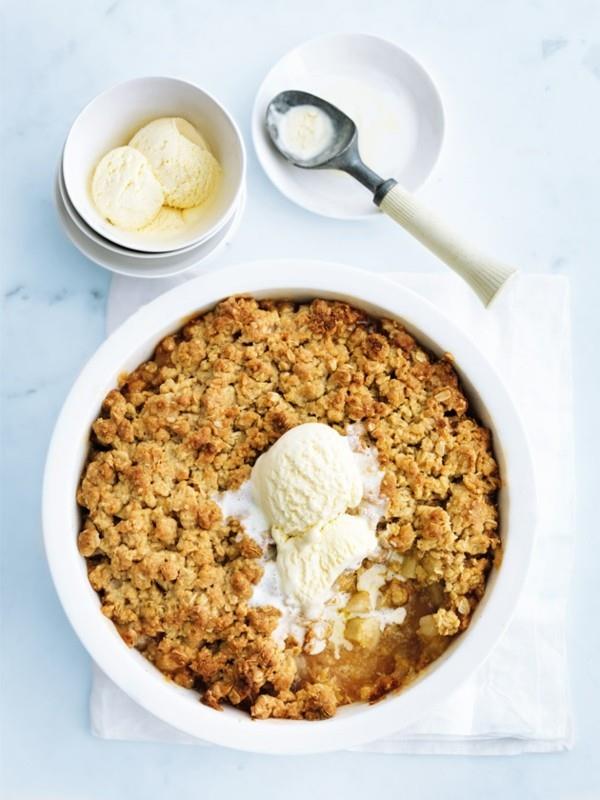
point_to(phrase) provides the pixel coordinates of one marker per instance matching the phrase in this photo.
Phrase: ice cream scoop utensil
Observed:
(484, 274)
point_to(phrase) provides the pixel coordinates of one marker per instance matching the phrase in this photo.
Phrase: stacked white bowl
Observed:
(109, 121)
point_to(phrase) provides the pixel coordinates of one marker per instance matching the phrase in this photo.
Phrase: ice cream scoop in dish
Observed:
(304, 484)
(312, 133)
(306, 478)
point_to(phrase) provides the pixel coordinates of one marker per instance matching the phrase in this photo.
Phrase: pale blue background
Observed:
(520, 171)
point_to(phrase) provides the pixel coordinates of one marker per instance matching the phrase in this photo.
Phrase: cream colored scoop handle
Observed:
(485, 275)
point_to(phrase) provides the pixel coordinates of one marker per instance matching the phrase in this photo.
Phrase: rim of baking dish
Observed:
(132, 343)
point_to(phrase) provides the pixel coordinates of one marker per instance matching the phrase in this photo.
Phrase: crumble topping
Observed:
(178, 577)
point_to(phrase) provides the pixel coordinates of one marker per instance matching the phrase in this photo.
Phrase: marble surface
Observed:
(520, 172)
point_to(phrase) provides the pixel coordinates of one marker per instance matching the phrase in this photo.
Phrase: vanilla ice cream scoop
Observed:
(308, 477)
(305, 131)
(309, 565)
(180, 159)
(125, 189)
(168, 220)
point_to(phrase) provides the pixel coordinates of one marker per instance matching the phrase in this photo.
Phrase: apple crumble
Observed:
(182, 575)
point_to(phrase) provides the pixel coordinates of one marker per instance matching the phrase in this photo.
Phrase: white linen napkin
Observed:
(518, 701)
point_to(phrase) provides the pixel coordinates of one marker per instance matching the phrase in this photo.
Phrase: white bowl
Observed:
(127, 256)
(125, 263)
(111, 119)
(106, 243)
(131, 344)
(386, 76)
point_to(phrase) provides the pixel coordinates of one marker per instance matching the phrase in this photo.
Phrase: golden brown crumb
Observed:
(176, 578)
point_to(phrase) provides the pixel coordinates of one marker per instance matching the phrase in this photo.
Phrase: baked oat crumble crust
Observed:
(176, 579)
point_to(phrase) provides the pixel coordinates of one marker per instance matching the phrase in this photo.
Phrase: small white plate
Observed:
(155, 268)
(357, 73)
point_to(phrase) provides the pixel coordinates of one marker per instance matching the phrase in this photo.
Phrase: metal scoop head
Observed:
(340, 151)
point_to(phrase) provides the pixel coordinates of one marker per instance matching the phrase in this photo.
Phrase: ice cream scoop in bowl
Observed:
(312, 133)
(113, 119)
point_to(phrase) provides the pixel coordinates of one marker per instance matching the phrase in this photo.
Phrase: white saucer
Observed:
(390, 78)
(153, 268)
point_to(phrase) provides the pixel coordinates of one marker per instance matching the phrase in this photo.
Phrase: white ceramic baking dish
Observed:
(131, 344)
